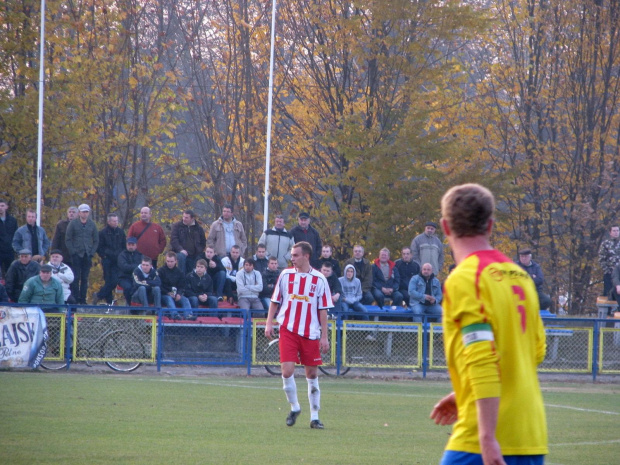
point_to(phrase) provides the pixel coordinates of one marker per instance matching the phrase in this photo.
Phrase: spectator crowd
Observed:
(210, 268)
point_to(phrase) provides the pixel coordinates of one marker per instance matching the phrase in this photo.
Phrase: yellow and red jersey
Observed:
(494, 339)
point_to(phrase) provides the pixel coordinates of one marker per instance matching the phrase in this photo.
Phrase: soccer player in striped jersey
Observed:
(303, 298)
(494, 339)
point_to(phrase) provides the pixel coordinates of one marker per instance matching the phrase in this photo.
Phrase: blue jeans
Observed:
(356, 307)
(186, 262)
(219, 279)
(168, 302)
(266, 302)
(397, 297)
(143, 293)
(419, 309)
(210, 303)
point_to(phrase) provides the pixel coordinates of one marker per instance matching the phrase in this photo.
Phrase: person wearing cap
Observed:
(225, 232)
(8, 226)
(42, 289)
(127, 261)
(535, 271)
(31, 236)
(111, 243)
(428, 248)
(58, 241)
(63, 273)
(82, 240)
(19, 272)
(306, 233)
(151, 237)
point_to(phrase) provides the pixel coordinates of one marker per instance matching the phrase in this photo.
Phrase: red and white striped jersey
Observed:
(300, 296)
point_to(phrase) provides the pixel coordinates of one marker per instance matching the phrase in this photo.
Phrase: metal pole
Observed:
(41, 95)
(269, 109)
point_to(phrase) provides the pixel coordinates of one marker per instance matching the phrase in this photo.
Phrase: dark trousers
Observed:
(607, 285)
(81, 271)
(110, 277)
(5, 262)
(126, 284)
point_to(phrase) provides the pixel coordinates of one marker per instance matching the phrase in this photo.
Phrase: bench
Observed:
(605, 307)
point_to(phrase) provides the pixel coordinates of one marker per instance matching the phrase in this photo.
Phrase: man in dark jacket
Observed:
(334, 286)
(188, 240)
(363, 271)
(535, 271)
(407, 268)
(8, 226)
(199, 287)
(304, 232)
(385, 280)
(82, 240)
(58, 241)
(216, 271)
(127, 261)
(19, 272)
(270, 278)
(111, 244)
(146, 284)
(173, 287)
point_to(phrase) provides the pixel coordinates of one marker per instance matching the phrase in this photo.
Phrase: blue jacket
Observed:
(23, 240)
(417, 289)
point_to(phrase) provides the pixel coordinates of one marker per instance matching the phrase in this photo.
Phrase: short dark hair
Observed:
(306, 248)
(112, 215)
(202, 262)
(251, 261)
(273, 259)
(327, 265)
(172, 254)
(236, 247)
(146, 259)
(190, 213)
(227, 205)
(261, 246)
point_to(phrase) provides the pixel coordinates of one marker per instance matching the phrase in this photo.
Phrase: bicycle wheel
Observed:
(272, 357)
(53, 365)
(122, 345)
(331, 370)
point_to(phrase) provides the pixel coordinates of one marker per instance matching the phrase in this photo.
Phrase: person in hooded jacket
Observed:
(351, 298)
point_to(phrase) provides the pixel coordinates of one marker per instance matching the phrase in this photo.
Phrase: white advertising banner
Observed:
(23, 337)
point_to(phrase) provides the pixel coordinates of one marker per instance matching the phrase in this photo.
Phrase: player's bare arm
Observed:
(488, 410)
(324, 341)
(269, 331)
(445, 411)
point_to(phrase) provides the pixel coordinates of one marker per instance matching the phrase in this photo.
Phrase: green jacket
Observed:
(34, 292)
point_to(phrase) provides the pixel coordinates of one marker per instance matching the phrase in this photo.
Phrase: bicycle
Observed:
(272, 355)
(112, 346)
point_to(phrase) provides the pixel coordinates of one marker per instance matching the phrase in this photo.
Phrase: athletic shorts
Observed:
(298, 349)
(452, 457)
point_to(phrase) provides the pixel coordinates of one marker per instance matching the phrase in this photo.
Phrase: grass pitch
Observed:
(75, 418)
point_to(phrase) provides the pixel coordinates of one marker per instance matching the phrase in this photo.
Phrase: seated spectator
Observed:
(199, 287)
(363, 272)
(232, 263)
(173, 287)
(385, 280)
(270, 278)
(216, 271)
(127, 261)
(407, 268)
(425, 294)
(146, 284)
(249, 286)
(42, 289)
(261, 262)
(63, 273)
(19, 271)
(533, 269)
(334, 285)
(326, 256)
(351, 299)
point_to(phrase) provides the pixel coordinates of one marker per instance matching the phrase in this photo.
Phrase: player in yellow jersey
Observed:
(494, 339)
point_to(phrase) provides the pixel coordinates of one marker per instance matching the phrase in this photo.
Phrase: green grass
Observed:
(75, 418)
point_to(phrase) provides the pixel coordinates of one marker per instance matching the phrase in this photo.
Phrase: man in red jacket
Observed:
(150, 236)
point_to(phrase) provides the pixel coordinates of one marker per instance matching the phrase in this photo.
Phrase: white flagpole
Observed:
(41, 95)
(269, 109)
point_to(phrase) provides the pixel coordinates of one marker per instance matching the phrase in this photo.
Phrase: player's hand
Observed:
(269, 331)
(491, 452)
(324, 344)
(445, 412)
